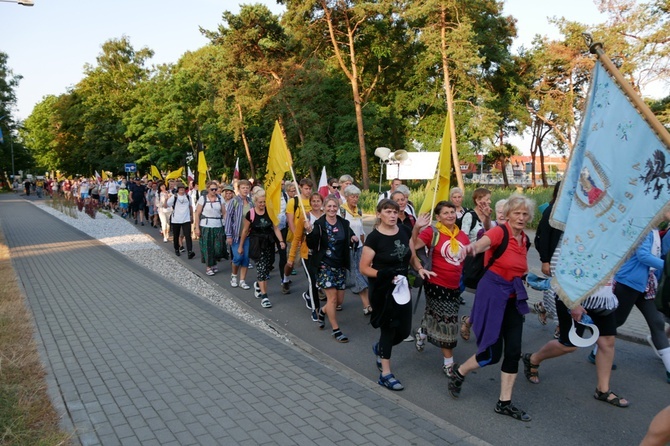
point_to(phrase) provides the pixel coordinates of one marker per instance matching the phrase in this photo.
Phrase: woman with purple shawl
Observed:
(500, 305)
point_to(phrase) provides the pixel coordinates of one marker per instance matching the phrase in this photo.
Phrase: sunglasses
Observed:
(214, 190)
(335, 187)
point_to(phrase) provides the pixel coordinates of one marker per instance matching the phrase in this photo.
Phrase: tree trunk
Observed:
(450, 100)
(245, 142)
(533, 153)
(352, 75)
(544, 173)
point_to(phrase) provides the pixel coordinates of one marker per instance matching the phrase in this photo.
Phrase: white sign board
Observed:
(419, 166)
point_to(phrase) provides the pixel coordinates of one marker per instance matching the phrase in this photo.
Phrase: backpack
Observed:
(218, 199)
(473, 267)
(662, 299)
(343, 212)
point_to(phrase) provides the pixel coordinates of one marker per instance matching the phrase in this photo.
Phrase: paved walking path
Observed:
(134, 359)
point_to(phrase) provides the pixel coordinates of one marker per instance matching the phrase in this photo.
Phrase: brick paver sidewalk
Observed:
(134, 359)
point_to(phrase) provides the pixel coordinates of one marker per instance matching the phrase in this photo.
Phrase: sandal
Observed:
(265, 303)
(210, 272)
(390, 382)
(367, 310)
(340, 337)
(541, 312)
(338, 308)
(531, 376)
(611, 398)
(512, 411)
(465, 328)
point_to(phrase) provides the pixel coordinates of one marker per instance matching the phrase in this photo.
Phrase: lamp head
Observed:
(382, 153)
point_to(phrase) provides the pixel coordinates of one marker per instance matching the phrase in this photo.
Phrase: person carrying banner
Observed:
(500, 305)
(600, 307)
(636, 283)
(295, 212)
(311, 297)
(445, 243)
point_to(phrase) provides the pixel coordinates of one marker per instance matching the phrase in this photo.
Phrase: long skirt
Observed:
(440, 320)
(212, 245)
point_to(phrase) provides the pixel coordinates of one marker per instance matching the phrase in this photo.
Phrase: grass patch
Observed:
(67, 207)
(27, 416)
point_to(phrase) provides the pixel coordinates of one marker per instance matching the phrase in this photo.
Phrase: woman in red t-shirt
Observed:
(500, 304)
(440, 320)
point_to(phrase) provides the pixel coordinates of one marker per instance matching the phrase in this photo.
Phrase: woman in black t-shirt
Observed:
(257, 223)
(386, 256)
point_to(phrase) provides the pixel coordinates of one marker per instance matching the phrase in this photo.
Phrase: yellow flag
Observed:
(104, 176)
(156, 173)
(202, 170)
(175, 174)
(279, 162)
(439, 190)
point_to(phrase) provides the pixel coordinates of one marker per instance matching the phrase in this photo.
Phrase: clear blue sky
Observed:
(48, 44)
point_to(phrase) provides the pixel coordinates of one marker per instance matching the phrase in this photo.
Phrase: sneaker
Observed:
(191, 255)
(315, 316)
(210, 272)
(176, 251)
(512, 411)
(375, 350)
(308, 300)
(650, 342)
(257, 290)
(446, 369)
(592, 359)
(294, 272)
(455, 381)
(285, 288)
(409, 338)
(182, 249)
(165, 240)
(233, 281)
(251, 266)
(420, 343)
(244, 285)
(390, 382)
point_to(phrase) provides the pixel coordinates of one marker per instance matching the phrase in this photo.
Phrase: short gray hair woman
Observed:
(352, 213)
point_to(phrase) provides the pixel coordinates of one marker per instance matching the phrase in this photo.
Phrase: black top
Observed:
(546, 237)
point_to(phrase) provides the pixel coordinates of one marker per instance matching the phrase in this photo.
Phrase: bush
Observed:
(368, 199)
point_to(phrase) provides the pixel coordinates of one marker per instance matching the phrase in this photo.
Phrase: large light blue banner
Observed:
(615, 190)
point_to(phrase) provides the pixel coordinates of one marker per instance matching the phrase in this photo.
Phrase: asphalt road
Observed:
(562, 405)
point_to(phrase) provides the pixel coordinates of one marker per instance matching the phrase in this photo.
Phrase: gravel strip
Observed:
(122, 236)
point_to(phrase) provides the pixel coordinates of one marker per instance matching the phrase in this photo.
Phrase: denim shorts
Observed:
(241, 259)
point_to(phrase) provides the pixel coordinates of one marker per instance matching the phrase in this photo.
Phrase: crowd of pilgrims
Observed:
(325, 234)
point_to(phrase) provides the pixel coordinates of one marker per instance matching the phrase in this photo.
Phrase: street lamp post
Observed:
(20, 2)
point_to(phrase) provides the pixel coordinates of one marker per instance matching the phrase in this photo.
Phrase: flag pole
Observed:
(295, 181)
(658, 128)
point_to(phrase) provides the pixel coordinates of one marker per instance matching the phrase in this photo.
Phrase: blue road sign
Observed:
(131, 167)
